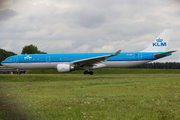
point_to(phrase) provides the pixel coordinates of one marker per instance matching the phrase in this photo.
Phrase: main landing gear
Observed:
(88, 72)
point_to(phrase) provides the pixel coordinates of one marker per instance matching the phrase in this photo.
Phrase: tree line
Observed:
(158, 65)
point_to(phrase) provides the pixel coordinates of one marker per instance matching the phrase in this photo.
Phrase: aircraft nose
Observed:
(5, 61)
(2, 63)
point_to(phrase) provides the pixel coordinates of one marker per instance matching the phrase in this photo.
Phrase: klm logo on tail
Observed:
(159, 42)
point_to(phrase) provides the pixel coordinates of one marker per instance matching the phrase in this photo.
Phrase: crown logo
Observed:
(159, 40)
(27, 57)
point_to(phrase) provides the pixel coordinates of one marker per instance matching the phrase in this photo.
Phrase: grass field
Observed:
(98, 97)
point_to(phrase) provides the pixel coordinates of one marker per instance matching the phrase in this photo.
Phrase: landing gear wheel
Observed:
(86, 72)
(91, 72)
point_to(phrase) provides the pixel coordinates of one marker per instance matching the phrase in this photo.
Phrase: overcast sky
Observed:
(80, 26)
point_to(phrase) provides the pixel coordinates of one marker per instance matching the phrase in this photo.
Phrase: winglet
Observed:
(116, 53)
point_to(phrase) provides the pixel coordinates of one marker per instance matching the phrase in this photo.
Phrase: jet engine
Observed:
(63, 68)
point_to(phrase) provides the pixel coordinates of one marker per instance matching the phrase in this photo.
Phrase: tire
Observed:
(86, 72)
(91, 72)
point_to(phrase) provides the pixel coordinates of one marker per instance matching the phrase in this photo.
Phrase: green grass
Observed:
(112, 71)
(101, 97)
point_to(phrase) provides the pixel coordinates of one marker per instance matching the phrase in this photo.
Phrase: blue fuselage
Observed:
(36, 58)
(50, 61)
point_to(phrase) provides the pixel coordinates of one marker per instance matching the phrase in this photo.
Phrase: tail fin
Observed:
(160, 43)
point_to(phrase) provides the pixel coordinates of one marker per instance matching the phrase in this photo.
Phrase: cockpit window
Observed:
(6, 59)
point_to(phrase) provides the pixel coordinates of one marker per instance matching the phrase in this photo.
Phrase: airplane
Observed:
(88, 61)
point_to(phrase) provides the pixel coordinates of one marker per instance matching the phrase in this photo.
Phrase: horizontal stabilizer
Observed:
(157, 55)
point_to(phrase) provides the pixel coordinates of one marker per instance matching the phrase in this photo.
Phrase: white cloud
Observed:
(105, 48)
(82, 49)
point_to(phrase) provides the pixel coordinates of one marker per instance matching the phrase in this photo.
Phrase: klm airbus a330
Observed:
(88, 61)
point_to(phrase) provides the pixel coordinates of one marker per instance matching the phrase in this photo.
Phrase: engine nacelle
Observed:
(63, 68)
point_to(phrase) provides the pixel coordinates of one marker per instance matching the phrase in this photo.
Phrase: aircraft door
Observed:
(140, 56)
(47, 58)
(15, 59)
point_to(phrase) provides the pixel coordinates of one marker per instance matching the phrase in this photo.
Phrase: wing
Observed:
(93, 60)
